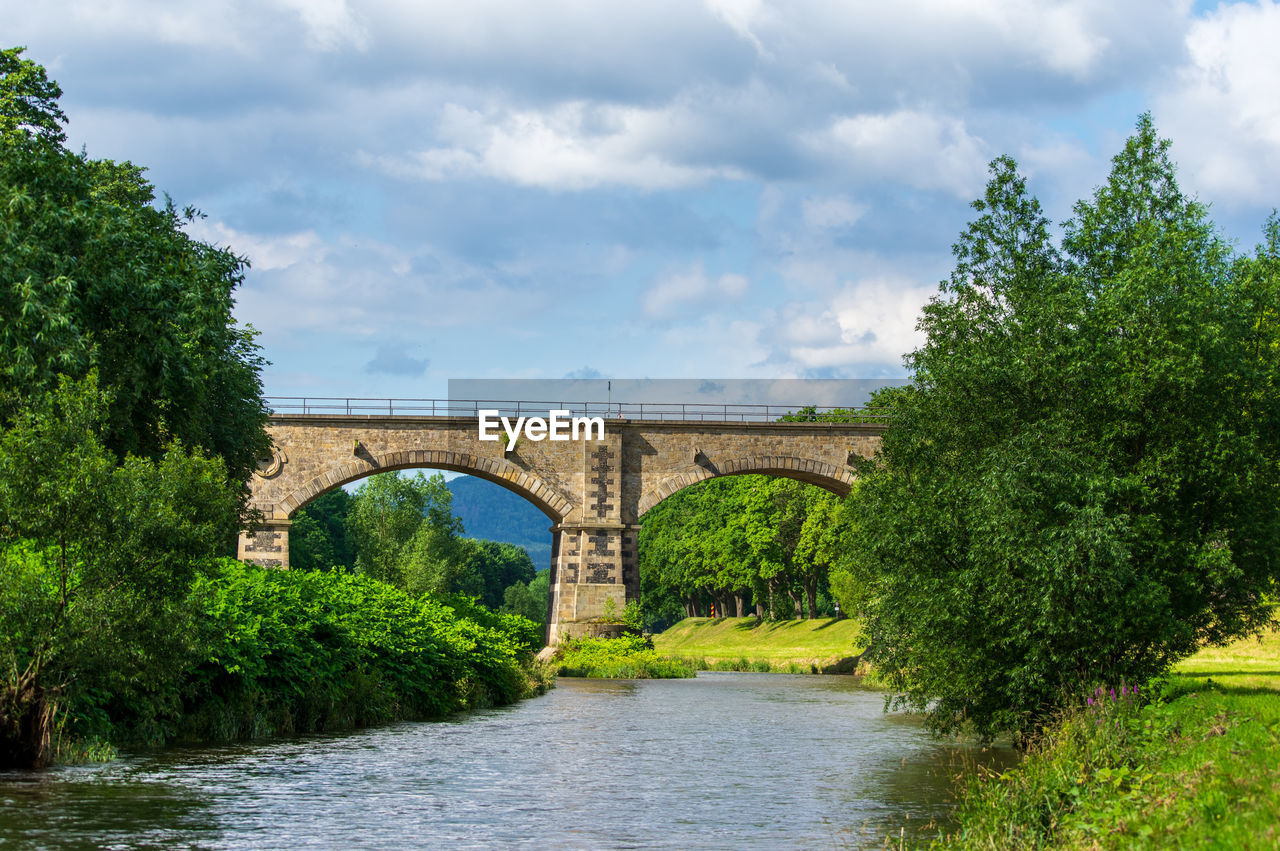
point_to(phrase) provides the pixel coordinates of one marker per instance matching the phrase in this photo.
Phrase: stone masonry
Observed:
(594, 492)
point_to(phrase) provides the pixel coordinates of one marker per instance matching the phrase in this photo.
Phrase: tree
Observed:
(29, 99)
(529, 600)
(318, 536)
(1080, 484)
(96, 558)
(94, 278)
(385, 515)
(497, 566)
(734, 539)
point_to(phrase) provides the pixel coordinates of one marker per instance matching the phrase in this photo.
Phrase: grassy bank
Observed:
(785, 645)
(1198, 767)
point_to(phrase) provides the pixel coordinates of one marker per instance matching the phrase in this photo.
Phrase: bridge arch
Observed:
(501, 472)
(838, 480)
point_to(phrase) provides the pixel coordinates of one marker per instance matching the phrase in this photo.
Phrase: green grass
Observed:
(1248, 663)
(785, 645)
(1199, 768)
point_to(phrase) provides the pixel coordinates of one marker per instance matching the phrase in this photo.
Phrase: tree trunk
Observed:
(812, 589)
(795, 598)
(739, 604)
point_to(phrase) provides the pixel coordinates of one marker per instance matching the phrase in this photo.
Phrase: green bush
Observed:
(279, 652)
(627, 657)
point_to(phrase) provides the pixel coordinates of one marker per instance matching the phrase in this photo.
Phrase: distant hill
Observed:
(494, 513)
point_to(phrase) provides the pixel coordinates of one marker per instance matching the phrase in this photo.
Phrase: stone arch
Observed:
(838, 480)
(547, 498)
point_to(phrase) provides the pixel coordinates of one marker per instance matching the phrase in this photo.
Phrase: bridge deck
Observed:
(635, 412)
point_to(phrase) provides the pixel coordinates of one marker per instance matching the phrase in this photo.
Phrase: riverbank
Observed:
(1199, 767)
(281, 652)
(807, 646)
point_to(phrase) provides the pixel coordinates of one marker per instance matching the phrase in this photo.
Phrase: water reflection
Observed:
(725, 759)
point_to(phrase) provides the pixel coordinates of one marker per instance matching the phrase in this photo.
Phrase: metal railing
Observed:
(669, 411)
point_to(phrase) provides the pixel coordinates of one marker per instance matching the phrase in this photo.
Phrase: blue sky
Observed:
(727, 188)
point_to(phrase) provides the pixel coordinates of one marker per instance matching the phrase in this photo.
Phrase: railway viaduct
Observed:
(594, 491)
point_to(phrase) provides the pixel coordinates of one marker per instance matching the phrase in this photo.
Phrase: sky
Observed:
(663, 189)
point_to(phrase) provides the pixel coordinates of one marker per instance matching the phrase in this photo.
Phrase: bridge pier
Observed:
(267, 545)
(591, 565)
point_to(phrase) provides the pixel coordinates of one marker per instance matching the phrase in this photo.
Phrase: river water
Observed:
(727, 759)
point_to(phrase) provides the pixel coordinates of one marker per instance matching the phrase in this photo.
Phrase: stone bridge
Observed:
(594, 491)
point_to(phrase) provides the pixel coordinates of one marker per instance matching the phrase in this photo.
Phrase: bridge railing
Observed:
(668, 411)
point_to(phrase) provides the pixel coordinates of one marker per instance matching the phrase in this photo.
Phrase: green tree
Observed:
(29, 99)
(96, 557)
(498, 566)
(529, 600)
(93, 277)
(1080, 484)
(318, 536)
(386, 511)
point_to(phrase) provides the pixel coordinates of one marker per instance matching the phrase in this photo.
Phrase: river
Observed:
(724, 760)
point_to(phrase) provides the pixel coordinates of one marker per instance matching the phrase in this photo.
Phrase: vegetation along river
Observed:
(725, 759)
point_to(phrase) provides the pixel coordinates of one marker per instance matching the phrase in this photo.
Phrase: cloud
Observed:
(923, 150)
(869, 322)
(573, 146)
(1221, 108)
(393, 360)
(678, 293)
(585, 372)
(330, 24)
(827, 213)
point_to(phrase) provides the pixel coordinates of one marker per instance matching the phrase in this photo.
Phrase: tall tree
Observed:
(1080, 485)
(93, 277)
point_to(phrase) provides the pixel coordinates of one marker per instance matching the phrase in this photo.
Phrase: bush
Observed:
(279, 652)
(627, 657)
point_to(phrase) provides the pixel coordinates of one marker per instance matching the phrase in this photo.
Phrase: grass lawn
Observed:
(1248, 663)
(803, 642)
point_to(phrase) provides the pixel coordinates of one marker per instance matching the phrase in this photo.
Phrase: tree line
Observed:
(741, 544)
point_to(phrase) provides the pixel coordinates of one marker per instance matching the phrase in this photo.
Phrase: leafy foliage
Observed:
(738, 538)
(92, 277)
(96, 560)
(529, 600)
(291, 651)
(624, 658)
(318, 536)
(1080, 484)
(29, 99)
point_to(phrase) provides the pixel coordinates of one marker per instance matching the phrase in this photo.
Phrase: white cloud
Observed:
(572, 146)
(869, 321)
(264, 252)
(683, 291)
(921, 149)
(330, 24)
(1222, 109)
